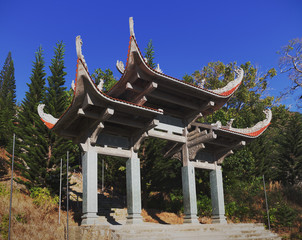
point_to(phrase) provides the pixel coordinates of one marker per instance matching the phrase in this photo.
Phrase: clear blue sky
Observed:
(186, 34)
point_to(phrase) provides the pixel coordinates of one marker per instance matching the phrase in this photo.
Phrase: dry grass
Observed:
(29, 221)
(155, 216)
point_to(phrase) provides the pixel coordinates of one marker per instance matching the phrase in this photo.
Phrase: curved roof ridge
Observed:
(224, 92)
(254, 131)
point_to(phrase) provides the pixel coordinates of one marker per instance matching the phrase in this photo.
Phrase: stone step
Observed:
(230, 231)
(190, 235)
(150, 231)
(198, 227)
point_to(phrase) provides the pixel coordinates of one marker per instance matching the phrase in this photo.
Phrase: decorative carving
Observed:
(229, 123)
(221, 158)
(230, 87)
(79, 44)
(216, 125)
(177, 156)
(158, 69)
(202, 83)
(47, 118)
(100, 85)
(139, 142)
(120, 66)
(194, 150)
(258, 127)
(95, 134)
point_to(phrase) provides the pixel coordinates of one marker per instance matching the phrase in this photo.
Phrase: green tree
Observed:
(31, 132)
(149, 54)
(7, 101)
(56, 104)
(289, 158)
(107, 77)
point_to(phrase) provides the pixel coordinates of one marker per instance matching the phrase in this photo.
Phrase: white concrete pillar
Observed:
(189, 194)
(133, 179)
(217, 197)
(90, 191)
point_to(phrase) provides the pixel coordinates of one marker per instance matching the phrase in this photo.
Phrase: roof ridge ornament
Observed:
(101, 85)
(202, 83)
(158, 69)
(120, 66)
(80, 55)
(73, 85)
(131, 26)
(231, 86)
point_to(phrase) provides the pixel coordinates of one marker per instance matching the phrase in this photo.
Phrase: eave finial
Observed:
(131, 26)
(231, 86)
(48, 119)
(257, 129)
(79, 44)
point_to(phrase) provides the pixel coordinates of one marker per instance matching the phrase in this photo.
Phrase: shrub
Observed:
(3, 190)
(21, 217)
(175, 204)
(4, 226)
(43, 198)
(204, 205)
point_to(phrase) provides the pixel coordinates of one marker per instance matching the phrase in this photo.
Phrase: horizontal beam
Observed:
(116, 152)
(166, 136)
(205, 165)
(126, 122)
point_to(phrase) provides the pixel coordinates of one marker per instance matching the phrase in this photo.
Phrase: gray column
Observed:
(189, 194)
(133, 178)
(90, 193)
(217, 197)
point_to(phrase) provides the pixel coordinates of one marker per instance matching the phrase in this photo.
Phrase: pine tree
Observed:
(149, 54)
(31, 132)
(289, 160)
(56, 104)
(7, 101)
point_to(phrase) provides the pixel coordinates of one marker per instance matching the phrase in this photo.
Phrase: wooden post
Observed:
(11, 189)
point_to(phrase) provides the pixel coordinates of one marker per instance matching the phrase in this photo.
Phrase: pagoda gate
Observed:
(147, 103)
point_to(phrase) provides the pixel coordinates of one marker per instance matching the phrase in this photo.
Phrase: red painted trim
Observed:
(253, 134)
(230, 91)
(47, 124)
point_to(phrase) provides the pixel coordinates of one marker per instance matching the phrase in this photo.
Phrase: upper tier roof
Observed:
(146, 86)
(134, 105)
(90, 107)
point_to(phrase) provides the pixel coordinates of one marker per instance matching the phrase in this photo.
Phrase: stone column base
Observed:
(134, 219)
(191, 219)
(220, 219)
(90, 219)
